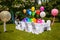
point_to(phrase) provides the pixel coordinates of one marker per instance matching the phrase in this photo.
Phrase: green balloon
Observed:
(33, 13)
(30, 20)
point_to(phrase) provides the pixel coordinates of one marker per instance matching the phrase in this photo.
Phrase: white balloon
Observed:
(42, 14)
(5, 16)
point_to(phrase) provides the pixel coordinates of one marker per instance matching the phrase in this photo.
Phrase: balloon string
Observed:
(53, 20)
(4, 26)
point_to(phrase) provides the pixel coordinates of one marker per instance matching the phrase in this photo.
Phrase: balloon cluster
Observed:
(29, 12)
(32, 13)
(32, 20)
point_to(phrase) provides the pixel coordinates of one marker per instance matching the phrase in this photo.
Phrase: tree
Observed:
(19, 5)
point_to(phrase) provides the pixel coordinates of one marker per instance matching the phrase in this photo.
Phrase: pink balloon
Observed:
(54, 12)
(42, 8)
(39, 21)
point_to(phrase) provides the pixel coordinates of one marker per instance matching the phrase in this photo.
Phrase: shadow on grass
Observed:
(10, 31)
(0, 32)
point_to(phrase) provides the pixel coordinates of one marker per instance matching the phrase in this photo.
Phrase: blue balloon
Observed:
(27, 19)
(29, 12)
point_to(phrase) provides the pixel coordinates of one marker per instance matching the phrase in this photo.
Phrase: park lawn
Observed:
(13, 34)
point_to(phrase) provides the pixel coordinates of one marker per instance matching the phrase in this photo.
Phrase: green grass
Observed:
(14, 34)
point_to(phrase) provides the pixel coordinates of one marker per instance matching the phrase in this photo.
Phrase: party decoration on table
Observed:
(24, 20)
(39, 21)
(24, 11)
(5, 16)
(30, 20)
(42, 8)
(27, 19)
(38, 12)
(34, 20)
(54, 13)
(42, 14)
(32, 8)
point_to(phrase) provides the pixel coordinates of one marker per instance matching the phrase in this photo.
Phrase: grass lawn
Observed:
(14, 34)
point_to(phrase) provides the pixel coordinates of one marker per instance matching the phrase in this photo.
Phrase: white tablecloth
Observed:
(33, 27)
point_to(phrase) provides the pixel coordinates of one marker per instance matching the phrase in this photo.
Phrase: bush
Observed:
(1, 22)
(9, 22)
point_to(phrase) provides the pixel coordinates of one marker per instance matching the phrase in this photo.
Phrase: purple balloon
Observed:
(42, 8)
(24, 20)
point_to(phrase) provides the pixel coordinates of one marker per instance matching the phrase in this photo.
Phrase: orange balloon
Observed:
(24, 11)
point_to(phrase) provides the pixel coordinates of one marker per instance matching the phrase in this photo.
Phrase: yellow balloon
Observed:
(34, 20)
(24, 11)
(33, 9)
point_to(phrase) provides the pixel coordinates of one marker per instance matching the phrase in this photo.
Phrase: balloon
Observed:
(33, 9)
(42, 8)
(54, 12)
(30, 20)
(33, 13)
(29, 12)
(24, 11)
(37, 12)
(39, 21)
(42, 14)
(27, 19)
(5, 16)
(34, 20)
(24, 20)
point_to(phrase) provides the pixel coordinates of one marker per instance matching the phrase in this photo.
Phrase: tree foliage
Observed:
(19, 5)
